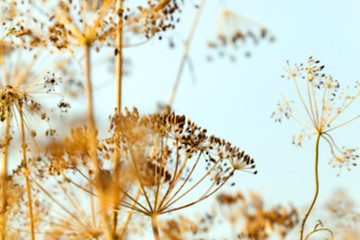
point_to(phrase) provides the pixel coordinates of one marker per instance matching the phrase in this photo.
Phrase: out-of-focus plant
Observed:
(257, 222)
(233, 29)
(19, 86)
(322, 101)
(88, 185)
(245, 213)
(343, 214)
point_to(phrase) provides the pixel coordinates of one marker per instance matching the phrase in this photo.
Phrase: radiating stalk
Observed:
(128, 217)
(27, 172)
(3, 175)
(316, 186)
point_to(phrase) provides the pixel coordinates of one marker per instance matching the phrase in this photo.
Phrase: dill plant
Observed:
(78, 186)
(322, 101)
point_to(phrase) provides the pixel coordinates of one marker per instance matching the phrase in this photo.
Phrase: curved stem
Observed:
(316, 186)
(155, 226)
(3, 175)
(321, 229)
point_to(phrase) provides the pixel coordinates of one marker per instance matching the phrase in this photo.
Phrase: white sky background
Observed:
(234, 100)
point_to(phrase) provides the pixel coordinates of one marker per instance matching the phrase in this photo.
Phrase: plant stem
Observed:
(90, 114)
(186, 52)
(27, 172)
(155, 226)
(316, 186)
(128, 217)
(93, 145)
(3, 172)
(118, 80)
(118, 57)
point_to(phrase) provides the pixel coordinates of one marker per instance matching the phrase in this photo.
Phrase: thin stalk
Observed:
(74, 217)
(90, 113)
(119, 57)
(342, 110)
(342, 124)
(90, 119)
(206, 195)
(118, 81)
(128, 216)
(3, 172)
(316, 186)
(140, 179)
(321, 229)
(169, 203)
(74, 203)
(92, 140)
(186, 52)
(155, 226)
(144, 211)
(303, 103)
(27, 172)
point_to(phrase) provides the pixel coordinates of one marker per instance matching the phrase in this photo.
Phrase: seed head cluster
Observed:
(234, 30)
(321, 101)
(165, 151)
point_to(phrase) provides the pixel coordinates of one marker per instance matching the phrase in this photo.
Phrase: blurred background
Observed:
(233, 92)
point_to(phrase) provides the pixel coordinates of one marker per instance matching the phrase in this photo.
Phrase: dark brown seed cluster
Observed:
(167, 152)
(157, 16)
(65, 24)
(186, 136)
(234, 30)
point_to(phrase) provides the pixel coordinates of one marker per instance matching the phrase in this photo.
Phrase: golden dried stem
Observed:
(128, 216)
(118, 81)
(90, 113)
(27, 172)
(186, 52)
(318, 230)
(205, 196)
(118, 57)
(92, 140)
(140, 181)
(3, 175)
(155, 226)
(316, 186)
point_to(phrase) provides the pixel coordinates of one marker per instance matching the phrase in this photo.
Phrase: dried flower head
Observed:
(257, 221)
(165, 151)
(21, 82)
(343, 213)
(233, 29)
(322, 102)
(246, 214)
(152, 18)
(64, 24)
